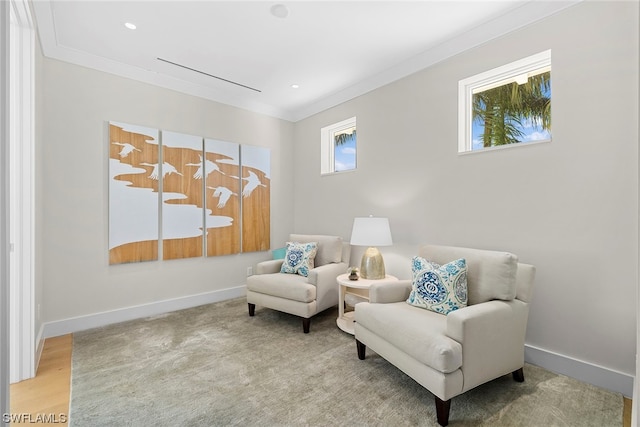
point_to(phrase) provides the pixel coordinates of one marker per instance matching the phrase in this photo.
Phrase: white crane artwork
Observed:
(223, 194)
(167, 169)
(252, 183)
(209, 167)
(126, 148)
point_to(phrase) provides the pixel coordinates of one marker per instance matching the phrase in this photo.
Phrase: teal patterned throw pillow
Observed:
(299, 258)
(439, 288)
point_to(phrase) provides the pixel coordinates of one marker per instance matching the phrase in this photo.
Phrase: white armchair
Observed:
(451, 354)
(296, 294)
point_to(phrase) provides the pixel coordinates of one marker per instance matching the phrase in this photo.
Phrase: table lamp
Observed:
(371, 232)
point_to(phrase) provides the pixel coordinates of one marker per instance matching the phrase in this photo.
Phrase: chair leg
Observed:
(362, 349)
(252, 309)
(518, 375)
(442, 410)
(306, 323)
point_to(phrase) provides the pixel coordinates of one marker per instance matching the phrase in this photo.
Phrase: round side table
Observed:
(358, 290)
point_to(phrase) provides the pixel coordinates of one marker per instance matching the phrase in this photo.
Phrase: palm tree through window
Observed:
(507, 106)
(338, 147)
(345, 149)
(515, 112)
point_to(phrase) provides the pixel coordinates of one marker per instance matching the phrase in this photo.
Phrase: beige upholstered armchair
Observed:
(453, 353)
(295, 293)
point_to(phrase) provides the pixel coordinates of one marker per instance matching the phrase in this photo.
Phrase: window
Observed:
(506, 106)
(338, 147)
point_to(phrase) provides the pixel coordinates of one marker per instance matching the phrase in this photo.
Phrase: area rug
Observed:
(215, 366)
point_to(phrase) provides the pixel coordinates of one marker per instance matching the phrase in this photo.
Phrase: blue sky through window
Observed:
(345, 155)
(531, 133)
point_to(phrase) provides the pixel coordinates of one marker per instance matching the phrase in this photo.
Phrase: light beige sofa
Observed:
(299, 295)
(451, 354)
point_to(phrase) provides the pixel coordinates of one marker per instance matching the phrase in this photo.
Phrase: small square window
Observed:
(506, 106)
(338, 147)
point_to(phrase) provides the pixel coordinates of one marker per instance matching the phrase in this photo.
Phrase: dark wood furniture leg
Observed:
(442, 410)
(252, 309)
(518, 375)
(305, 325)
(362, 349)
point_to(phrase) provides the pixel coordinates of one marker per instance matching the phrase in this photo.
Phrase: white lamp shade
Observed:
(371, 231)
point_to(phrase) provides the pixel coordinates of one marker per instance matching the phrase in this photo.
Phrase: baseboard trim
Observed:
(584, 371)
(81, 323)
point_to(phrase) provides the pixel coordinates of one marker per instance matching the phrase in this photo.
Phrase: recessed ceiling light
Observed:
(279, 11)
(295, 86)
(130, 26)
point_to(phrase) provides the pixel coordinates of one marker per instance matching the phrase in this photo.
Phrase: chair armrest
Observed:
(389, 291)
(324, 279)
(269, 267)
(325, 275)
(492, 337)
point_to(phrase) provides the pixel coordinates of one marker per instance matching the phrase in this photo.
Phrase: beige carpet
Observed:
(215, 366)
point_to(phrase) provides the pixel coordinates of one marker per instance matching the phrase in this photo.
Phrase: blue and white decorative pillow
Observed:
(299, 258)
(439, 288)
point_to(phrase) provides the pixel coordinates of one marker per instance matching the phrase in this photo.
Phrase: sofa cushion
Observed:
(289, 286)
(299, 258)
(490, 274)
(329, 247)
(412, 330)
(439, 288)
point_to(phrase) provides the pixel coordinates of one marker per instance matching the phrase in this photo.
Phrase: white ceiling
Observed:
(334, 50)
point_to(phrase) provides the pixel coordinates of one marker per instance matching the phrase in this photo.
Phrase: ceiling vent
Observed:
(207, 74)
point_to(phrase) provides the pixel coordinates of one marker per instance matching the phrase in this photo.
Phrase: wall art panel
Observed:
(182, 195)
(222, 197)
(133, 193)
(256, 198)
(174, 195)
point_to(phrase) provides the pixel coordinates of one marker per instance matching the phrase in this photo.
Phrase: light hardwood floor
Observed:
(48, 393)
(46, 396)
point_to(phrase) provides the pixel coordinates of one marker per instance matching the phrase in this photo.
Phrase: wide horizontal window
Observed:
(506, 106)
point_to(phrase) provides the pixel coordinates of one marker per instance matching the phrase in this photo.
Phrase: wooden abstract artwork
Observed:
(133, 194)
(213, 197)
(256, 195)
(222, 197)
(182, 201)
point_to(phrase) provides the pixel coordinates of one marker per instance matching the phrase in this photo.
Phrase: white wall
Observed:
(76, 104)
(570, 207)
